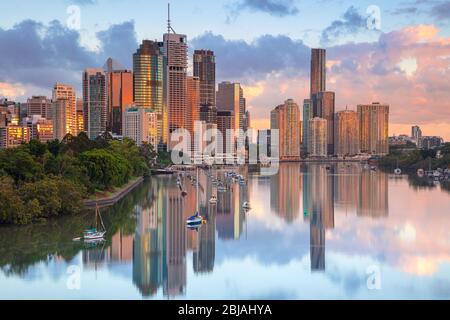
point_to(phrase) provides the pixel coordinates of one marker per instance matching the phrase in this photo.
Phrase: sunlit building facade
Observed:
(148, 80)
(120, 95)
(193, 102)
(40, 106)
(318, 70)
(175, 51)
(324, 107)
(67, 92)
(62, 118)
(230, 97)
(140, 125)
(307, 115)
(318, 137)
(374, 128)
(346, 133)
(286, 119)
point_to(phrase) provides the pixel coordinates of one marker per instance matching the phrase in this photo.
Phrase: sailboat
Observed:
(94, 234)
(197, 219)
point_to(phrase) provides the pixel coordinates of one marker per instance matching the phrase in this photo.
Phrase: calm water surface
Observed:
(312, 233)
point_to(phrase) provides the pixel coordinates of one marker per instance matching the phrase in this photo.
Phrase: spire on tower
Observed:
(169, 26)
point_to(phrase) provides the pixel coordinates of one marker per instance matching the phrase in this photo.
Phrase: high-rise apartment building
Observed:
(307, 115)
(175, 51)
(79, 116)
(62, 118)
(346, 133)
(318, 137)
(286, 119)
(67, 92)
(40, 128)
(318, 71)
(149, 80)
(193, 102)
(324, 107)
(94, 102)
(230, 97)
(205, 70)
(416, 134)
(140, 125)
(39, 106)
(225, 123)
(374, 128)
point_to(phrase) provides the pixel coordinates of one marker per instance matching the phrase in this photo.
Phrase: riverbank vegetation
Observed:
(40, 181)
(412, 159)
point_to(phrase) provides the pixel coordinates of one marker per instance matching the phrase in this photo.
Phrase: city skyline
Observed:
(407, 79)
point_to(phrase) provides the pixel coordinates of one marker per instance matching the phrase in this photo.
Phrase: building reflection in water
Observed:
(373, 200)
(162, 242)
(285, 189)
(318, 207)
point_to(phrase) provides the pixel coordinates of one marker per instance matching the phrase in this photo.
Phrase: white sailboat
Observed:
(197, 219)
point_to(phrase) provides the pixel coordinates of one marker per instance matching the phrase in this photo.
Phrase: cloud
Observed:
(351, 23)
(11, 91)
(277, 8)
(265, 55)
(37, 55)
(441, 10)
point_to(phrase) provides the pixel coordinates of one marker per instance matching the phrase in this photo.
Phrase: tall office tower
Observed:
(149, 77)
(318, 137)
(140, 125)
(346, 134)
(323, 107)
(307, 115)
(175, 51)
(416, 134)
(205, 70)
(64, 91)
(193, 102)
(286, 118)
(318, 71)
(225, 123)
(374, 128)
(80, 116)
(62, 118)
(120, 95)
(94, 102)
(39, 106)
(230, 97)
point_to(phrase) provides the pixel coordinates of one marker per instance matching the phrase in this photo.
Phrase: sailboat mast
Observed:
(198, 182)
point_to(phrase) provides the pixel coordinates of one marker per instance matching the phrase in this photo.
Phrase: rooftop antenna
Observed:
(169, 26)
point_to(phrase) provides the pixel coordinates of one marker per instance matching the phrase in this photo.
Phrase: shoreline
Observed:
(115, 197)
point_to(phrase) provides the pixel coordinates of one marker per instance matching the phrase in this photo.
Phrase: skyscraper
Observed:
(323, 107)
(120, 95)
(318, 71)
(140, 125)
(64, 91)
(205, 70)
(307, 115)
(225, 122)
(39, 105)
(346, 134)
(175, 51)
(148, 83)
(374, 128)
(286, 118)
(94, 102)
(230, 97)
(416, 134)
(62, 118)
(318, 137)
(193, 102)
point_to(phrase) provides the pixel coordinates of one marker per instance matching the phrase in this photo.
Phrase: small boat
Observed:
(195, 220)
(213, 200)
(373, 168)
(93, 234)
(246, 206)
(398, 171)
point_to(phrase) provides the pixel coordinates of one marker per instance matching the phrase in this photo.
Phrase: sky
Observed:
(395, 52)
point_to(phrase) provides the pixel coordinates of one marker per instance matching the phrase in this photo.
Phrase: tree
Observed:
(20, 165)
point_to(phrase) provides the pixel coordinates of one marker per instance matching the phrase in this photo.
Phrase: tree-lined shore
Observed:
(40, 181)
